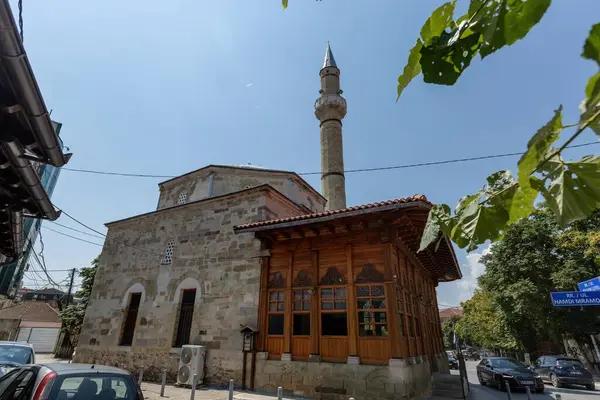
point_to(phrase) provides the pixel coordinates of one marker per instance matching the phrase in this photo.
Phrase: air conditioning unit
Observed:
(191, 362)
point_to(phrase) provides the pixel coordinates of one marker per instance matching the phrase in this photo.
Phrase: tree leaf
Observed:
(523, 201)
(284, 3)
(591, 48)
(412, 67)
(439, 20)
(439, 219)
(503, 22)
(574, 189)
(449, 55)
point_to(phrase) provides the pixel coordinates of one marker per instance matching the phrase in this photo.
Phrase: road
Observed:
(487, 393)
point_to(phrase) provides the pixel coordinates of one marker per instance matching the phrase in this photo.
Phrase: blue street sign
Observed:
(590, 286)
(575, 299)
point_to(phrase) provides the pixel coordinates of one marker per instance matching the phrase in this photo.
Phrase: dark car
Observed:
(497, 371)
(69, 381)
(452, 361)
(562, 370)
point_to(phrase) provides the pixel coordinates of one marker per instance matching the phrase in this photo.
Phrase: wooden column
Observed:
(351, 305)
(314, 306)
(263, 304)
(392, 304)
(289, 301)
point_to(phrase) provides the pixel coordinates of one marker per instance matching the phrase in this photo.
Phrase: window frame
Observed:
(332, 300)
(303, 310)
(278, 311)
(371, 311)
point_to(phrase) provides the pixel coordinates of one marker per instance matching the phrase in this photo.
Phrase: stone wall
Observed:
(9, 329)
(225, 180)
(401, 379)
(223, 267)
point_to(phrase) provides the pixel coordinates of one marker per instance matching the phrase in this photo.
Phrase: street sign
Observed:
(590, 286)
(575, 299)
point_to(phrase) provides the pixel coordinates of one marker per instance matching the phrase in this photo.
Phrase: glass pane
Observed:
(273, 307)
(378, 303)
(362, 291)
(377, 291)
(380, 317)
(364, 317)
(410, 327)
(340, 293)
(306, 305)
(275, 325)
(281, 295)
(327, 293)
(366, 330)
(334, 324)
(340, 304)
(273, 296)
(306, 295)
(402, 327)
(297, 305)
(363, 304)
(301, 324)
(381, 330)
(279, 306)
(326, 305)
(297, 294)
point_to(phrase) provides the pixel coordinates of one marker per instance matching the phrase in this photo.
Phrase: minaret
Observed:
(330, 109)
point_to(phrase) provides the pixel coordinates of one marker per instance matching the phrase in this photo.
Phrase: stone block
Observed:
(286, 357)
(354, 360)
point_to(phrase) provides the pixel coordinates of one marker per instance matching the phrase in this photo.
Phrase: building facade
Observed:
(340, 299)
(11, 276)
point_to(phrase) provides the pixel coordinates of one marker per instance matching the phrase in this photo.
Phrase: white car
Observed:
(15, 354)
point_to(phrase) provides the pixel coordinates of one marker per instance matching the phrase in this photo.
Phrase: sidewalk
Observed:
(152, 392)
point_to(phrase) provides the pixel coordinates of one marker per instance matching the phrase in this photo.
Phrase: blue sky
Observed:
(142, 87)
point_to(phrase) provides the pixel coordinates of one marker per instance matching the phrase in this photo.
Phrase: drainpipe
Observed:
(211, 183)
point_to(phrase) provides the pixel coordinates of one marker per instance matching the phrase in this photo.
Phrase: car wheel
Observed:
(590, 386)
(481, 381)
(555, 381)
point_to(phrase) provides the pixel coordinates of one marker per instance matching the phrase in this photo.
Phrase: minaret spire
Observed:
(330, 109)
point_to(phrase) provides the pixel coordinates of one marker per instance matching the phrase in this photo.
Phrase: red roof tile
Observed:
(412, 199)
(37, 311)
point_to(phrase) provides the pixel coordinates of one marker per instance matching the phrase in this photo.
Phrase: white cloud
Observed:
(248, 84)
(471, 271)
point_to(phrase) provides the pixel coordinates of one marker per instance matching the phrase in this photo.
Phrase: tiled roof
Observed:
(449, 312)
(411, 199)
(36, 311)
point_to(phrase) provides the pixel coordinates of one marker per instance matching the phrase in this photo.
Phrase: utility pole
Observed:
(70, 288)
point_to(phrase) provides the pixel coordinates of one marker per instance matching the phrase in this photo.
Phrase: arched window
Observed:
(182, 198)
(169, 252)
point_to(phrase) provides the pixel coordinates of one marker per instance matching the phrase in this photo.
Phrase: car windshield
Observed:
(506, 363)
(568, 363)
(14, 355)
(94, 386)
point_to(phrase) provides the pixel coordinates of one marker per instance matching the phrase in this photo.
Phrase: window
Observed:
(372, 312)
(99, 385)
(169, 252)
(409, 313)
(182, 198)
(417, 327)
(186, 314)
(302, 298)
(400, 301)
(20, 387)
(130, 319)
(334, 320)
(276, 308)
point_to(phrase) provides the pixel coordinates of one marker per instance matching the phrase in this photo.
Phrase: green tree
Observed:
(534, 258)
(72, 316)
(484, 323)
(442, 52)
(448, 329)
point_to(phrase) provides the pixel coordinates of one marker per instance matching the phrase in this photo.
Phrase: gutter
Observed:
(16, 222)
(14, 152)
(27, 91)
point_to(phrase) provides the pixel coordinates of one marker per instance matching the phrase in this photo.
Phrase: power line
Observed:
(348, 171)
(72, 237)
(77, 230)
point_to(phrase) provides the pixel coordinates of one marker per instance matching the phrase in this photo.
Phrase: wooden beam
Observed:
(314, 307)
(263, 304)
(351, 304)
(289, 300)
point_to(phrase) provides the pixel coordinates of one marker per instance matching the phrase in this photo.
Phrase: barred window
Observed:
(182, 198)
(168, 258)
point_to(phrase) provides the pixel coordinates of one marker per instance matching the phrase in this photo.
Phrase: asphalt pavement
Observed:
(487, 393)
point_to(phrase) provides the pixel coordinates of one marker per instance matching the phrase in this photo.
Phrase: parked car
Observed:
(452, 361)
(13, 354)
(497, 371)
(562, 370)
(63, 381)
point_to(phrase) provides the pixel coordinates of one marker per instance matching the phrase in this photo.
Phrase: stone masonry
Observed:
(223, 267)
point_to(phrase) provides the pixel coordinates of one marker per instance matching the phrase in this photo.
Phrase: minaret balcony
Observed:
(330, 102)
